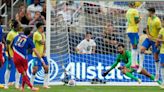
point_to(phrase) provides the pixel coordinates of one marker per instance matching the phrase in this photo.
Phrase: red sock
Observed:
(23, 84)
(26, 80)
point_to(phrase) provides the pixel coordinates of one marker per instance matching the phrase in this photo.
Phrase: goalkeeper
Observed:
(125, 57)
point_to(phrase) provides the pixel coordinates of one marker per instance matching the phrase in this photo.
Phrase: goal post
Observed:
(66, 25)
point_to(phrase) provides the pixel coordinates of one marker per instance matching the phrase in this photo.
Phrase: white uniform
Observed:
(86, 46)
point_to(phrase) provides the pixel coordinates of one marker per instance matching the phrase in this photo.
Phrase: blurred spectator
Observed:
(109, 41)
(38, 18)
(86, 46)
(109, 34)
(34, 7)
(22, 16)
(43, 13)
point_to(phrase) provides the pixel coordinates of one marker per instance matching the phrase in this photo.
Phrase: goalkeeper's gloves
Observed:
(121, 67)
(104, 74)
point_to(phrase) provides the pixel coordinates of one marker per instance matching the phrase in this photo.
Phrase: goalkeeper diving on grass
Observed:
(126, 58)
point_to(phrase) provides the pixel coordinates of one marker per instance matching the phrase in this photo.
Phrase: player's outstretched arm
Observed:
(113, 66)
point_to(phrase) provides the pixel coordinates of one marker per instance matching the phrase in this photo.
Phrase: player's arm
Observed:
(8, 42)
(159, 39)
(137, 17)
(129, 56)
(32, 46)
(79, 47)
(44, 52)
(112, 67)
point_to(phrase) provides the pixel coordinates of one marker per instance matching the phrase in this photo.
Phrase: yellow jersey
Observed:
(162, 46)
(10, 37)
(154, 24)
(37, 37)
(131, 14)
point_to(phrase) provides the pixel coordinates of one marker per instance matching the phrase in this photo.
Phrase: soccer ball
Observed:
(71, 82)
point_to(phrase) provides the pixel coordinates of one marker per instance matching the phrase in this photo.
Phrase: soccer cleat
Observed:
(139, 81)
(1, 86)
(135, 67)
(162, 86)
(28, 87)
(10, 83)
(46, 87)
(34, 89)
(139, 70)
(6, 87)
(17, 87)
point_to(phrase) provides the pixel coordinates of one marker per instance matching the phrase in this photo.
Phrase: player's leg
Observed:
(22, 66)
(162, 69)
(45, 84)
(134, 41)
(147, 74)
(34, 71)
(156, 58)
(17, 79)
(128, 73)
(145, 45)
(17, 74)
(7, 73)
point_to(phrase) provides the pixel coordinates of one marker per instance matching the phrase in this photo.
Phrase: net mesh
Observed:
(107, 22)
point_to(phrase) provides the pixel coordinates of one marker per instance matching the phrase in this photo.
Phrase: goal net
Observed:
(71, 19)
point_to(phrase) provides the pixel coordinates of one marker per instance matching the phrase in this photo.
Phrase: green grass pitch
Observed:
(92, 89)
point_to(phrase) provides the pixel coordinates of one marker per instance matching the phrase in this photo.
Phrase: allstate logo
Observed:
(53, 71)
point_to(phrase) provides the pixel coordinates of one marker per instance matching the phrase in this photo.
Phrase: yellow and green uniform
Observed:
(132, 30)
(154, 24)
(10, 37)
(162, 45)
(131, 15)
(37, 38)
(125, 58)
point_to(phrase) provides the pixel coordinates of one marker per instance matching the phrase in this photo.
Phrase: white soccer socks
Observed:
(142, 55)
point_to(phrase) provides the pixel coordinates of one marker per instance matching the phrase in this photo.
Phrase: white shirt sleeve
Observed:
(80, 45)
(93, 43)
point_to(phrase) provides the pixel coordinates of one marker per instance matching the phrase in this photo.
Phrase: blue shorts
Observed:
(147, 43)
(134, 38)
(38, 63)
(10, 64)
(162, 58)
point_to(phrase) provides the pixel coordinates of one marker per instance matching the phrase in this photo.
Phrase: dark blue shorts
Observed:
(10, 64)
(134, 38)
(162, 58)
(37, 62)
(147, 43)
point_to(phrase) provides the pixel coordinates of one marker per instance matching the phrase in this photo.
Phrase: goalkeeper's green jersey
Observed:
(126, 58)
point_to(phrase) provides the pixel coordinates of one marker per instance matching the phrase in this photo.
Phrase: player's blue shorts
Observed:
(147, 43)
(161, 58)
(10, 64)
(134, 38)
(37, 62)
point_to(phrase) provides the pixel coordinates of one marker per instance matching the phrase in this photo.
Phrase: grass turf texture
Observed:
(92, 89)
